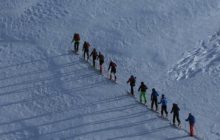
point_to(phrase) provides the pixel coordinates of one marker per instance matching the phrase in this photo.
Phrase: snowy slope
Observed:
(47, 93)
(50, 105)
(203, 59)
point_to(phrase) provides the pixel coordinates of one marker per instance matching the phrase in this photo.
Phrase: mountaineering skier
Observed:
(175, 110)
(85, 50)
(191, 120)
(76, 40)
(132, 81)
(163, 102)
(112, 66)
(154, 100)
(101, 61)
(143, 88)
(94, 56)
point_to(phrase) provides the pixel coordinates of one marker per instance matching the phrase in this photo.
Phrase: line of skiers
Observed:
(132, 81)
(95, 56)
(163, 101)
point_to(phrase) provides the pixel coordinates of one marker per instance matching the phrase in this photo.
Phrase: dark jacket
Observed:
(132, 81)
(175, 109)
(101, 58)
(94, 54)
(112, 66)
(86, 46)
(76, 37)
(191, 119)
(142, 88)
(154, 94)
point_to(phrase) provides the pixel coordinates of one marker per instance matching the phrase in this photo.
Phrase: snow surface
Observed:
(203, 59)
(49, 93)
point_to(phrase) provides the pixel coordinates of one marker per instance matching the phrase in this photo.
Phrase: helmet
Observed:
(153, 89)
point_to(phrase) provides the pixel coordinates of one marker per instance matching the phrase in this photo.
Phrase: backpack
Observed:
(114, 65)
(87, 45)
(101, 57)
(76, 37)
(94, 54)
(163, 101)
(133, 81)
(154, 94)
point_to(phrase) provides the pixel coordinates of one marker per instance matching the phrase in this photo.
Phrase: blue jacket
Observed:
(191, 119)
(163, 101)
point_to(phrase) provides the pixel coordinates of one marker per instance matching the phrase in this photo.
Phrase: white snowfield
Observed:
(203, 59)
(49, 93)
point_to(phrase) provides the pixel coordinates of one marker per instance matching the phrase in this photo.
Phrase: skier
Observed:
(85, 50)
(132, 81)
(163, 102)
(154, 101)
(191, 120)
(101, 61)
(76, 40)
(143, 88)
(112, 66)
(94, 56)
(175, 110)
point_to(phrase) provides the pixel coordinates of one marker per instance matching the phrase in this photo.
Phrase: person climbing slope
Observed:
(154, 100)
(76, 40)
(94, 56)
(132, 81)
(112, 67)
(101, 62)
(191, 120)
(175, 110)
(85, 50)
(143, 88)
(163, 102)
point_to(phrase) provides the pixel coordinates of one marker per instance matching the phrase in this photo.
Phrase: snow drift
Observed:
(205, 58)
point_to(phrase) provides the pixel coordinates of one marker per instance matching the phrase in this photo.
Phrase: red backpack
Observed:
(76, 37)
(86, 46)
(114, 65)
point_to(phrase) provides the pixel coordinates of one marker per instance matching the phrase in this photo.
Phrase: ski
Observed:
(154, 111)
(129, 94)
(73, 51)
(175, 126)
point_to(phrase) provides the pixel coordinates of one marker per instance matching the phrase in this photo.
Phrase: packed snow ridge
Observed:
(203, 59)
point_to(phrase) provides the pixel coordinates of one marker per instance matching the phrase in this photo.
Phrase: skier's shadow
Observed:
(178, 137)
(118, 127)
(155, 130)
(102, 101)
(108, 120)
(53, 76)
(71, 118)
(75, 108)
(64, 76)
(41, 71)
(34, 61)
(67, 92)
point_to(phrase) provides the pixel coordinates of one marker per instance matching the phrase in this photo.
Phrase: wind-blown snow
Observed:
(203, 59)
(48, 93)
